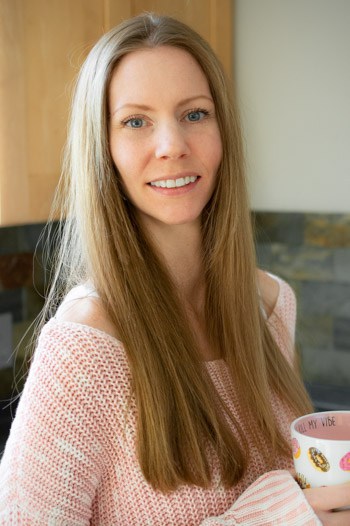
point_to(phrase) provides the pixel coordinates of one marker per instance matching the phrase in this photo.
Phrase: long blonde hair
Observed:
(180, 415)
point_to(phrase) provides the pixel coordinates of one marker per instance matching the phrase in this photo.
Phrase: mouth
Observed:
(174, 183)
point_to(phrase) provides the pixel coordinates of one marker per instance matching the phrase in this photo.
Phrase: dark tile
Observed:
(8, 240)
(279, 227)
(33, 302)
(326, 367)
(6, 340)
(23, 340)
(327, 230)
(264, 255)
(301, 263)
(16, 270)
(341, 334)
(342, 264)
(40, 274)
(315, 331)
(7, 377)
(11, 301)
(30, 237)
(325, 298)
(329, 397)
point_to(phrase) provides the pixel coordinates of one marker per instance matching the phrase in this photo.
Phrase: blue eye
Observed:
(135, 122)
(196, 115)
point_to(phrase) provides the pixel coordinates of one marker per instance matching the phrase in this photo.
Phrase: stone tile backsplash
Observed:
(22, 280)
(310, 251)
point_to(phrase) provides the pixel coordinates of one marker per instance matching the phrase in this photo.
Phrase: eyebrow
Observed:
(148, 108)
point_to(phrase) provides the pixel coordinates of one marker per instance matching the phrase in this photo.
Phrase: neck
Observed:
(181, 248)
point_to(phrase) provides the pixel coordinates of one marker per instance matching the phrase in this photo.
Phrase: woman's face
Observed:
(163, 133)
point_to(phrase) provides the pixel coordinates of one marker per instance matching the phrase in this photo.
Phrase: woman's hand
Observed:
(327, 499)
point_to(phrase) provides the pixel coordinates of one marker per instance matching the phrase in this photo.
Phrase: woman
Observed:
(162, 390)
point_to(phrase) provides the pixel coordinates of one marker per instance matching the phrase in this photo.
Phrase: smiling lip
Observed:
(177, 182)
(176, 185)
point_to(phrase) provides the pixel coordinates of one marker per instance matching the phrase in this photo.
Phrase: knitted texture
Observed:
(71, 455)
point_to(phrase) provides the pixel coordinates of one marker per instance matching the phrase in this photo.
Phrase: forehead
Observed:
(159, 71)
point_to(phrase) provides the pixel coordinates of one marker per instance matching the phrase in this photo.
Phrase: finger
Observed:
(329, 497)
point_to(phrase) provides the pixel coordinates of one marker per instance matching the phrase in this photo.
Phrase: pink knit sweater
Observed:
(71, 457)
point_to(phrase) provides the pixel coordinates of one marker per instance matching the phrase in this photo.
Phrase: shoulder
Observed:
(80, 340)
(279, 304)
(269, 289)
(278, 298)
(83, 306)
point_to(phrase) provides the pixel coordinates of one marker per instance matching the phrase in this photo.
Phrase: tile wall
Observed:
(22, 280)
(310, 251)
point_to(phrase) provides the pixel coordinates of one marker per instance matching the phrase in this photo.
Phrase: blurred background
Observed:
(289, 65)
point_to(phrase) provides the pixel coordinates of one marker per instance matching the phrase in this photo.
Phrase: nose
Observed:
(171, 141)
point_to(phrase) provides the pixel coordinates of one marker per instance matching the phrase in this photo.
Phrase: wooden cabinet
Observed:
(42, 45)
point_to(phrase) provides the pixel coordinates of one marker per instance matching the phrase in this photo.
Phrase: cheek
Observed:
(128, 156)
(113, 149)
(215, 150)
(121, 157)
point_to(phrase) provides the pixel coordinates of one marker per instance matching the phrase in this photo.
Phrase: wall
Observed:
(22, 289)
(312, 252)
(292, 73)
(293, 78)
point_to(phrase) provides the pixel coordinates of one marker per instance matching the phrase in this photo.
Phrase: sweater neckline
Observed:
(112, 339)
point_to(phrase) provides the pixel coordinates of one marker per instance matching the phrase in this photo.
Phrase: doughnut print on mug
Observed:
(321, 448)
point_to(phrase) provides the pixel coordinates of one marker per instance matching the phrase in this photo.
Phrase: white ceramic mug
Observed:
(321, 448)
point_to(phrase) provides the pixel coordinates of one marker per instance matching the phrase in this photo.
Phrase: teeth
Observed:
(180, 182)
(174, 183)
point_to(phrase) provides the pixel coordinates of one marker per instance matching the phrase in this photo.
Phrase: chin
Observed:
(178, 221)
(172, 219)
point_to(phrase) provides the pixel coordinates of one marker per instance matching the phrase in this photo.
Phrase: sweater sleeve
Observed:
(282, 320)
(52, 462)
(274, 499)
